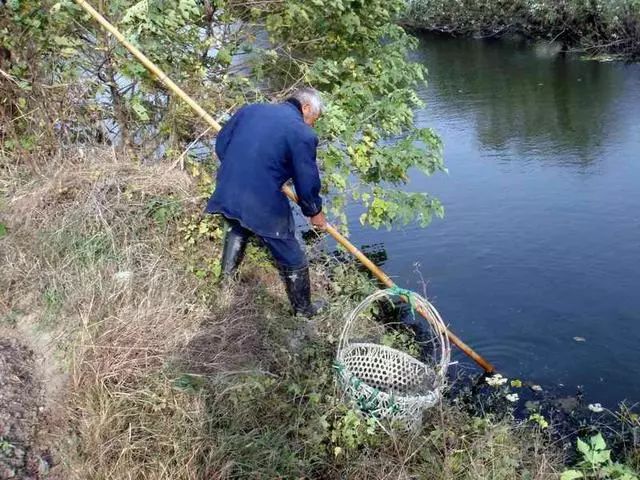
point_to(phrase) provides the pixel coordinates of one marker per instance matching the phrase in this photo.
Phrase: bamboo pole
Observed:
(341, 239)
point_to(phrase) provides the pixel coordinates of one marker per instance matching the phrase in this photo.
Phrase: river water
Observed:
(537, 261)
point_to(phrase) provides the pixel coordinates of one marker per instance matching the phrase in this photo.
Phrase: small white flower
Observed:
(496, 380)
(123, 276)
(596, 407)
(512, 397)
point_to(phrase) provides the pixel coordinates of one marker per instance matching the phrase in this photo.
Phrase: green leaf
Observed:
(3, 229)
(571, 475)
(583, 448)
(189, 383)
(602, 456)
(140, 110)
(223, 56)
(137, 10)
(597, 441)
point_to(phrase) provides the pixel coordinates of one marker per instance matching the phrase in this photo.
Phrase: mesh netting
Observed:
(387, 382)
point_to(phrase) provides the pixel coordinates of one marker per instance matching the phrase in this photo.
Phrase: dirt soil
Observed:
(25, 416)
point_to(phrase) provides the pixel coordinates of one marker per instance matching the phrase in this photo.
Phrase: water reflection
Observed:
(522, 101)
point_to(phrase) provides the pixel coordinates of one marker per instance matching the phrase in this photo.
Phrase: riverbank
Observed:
(109, 278)
(166, 375)
(604, 29)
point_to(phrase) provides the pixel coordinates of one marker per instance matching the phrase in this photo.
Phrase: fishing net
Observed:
(387, 370)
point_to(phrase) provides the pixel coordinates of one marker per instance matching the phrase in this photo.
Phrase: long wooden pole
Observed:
(341, 239)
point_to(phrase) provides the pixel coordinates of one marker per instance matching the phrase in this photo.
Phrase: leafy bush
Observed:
(355, 53)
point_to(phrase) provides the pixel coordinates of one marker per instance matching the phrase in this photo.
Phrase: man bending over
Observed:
(261, 147)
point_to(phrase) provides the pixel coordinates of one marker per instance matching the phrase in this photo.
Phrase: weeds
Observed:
(597, 463)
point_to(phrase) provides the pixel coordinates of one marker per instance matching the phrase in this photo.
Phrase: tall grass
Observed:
(82, 257)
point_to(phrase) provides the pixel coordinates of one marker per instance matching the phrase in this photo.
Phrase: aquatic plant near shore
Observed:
(496, 380)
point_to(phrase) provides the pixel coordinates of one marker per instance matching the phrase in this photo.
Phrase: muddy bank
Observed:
(25, 419)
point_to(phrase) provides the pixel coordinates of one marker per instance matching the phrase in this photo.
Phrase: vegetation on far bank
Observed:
(595, 27)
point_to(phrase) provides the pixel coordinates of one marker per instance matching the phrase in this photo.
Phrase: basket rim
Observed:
(433, 319)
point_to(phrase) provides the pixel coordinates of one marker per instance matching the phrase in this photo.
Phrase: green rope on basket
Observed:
(366, 403)
(408, 294)
(353, 380)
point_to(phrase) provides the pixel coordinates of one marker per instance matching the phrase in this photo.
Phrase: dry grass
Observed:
(85, 259)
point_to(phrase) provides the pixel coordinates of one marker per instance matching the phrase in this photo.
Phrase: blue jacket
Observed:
(261, 147)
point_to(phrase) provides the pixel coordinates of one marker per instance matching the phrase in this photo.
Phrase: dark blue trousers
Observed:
(286, 252)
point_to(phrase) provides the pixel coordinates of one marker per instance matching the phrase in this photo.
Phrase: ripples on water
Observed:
(541, 238)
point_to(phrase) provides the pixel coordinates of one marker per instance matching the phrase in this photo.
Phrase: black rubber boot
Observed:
(299, 291)
(235, 244)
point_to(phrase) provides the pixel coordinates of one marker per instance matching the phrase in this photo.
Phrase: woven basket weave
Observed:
(388, 383)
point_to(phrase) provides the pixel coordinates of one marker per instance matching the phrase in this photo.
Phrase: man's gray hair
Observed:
(310, 96)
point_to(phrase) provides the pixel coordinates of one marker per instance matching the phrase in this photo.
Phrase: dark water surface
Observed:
(541, 238)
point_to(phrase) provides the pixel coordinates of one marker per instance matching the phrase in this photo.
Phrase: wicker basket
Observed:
(385, 382)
